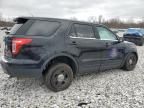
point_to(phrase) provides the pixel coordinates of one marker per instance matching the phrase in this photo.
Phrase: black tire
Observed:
(52, 77)
(130, 62)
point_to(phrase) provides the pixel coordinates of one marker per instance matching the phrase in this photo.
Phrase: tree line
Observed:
(6, 23)
(115, 22)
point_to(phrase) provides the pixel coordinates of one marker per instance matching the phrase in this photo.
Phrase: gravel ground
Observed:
(109, 89)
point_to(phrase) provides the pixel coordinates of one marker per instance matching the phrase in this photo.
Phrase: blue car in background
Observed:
(135, 35)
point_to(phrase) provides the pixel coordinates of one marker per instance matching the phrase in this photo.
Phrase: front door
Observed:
(113, 53)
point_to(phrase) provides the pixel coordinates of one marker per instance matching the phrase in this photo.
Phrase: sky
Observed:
(81, 9)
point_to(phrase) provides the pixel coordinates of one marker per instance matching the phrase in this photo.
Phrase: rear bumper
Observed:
(19, 69)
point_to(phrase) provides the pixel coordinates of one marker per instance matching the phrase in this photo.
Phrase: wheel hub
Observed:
(130, 61)
(60, 77)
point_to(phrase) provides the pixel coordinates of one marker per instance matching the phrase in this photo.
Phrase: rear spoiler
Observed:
(20, 20)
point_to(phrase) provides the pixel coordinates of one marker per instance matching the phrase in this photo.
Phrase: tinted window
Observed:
(43, 28)
(15, 28)
(105, 34)
(85, 31)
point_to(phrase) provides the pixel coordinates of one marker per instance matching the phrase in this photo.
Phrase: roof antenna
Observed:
(29, 12)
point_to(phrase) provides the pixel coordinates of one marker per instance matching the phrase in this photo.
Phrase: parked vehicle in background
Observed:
(58, 49)
(135, 35)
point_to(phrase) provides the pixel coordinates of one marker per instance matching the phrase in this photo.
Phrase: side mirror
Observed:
(115, 32)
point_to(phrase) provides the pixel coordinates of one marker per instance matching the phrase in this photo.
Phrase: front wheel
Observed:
(130, 62)
(59, 77)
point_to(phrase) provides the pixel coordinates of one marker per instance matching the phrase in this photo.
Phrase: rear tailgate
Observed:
(8, 38)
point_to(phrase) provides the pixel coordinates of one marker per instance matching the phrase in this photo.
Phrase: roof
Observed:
(135, 30)
(40, 18)
(44, 18)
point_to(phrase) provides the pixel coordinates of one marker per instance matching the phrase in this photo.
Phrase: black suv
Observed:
(58, 49)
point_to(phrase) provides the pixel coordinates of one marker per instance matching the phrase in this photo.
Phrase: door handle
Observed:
(107, 44)
(74, 43)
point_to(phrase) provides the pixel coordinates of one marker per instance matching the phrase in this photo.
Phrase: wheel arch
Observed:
(132, 52)
(135, 54)
(63, 58)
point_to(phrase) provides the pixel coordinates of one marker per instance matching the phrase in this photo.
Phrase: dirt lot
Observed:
(110, 89)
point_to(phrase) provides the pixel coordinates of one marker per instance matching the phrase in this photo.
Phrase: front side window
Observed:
(83, 31)
(105, 34)
(43, 28)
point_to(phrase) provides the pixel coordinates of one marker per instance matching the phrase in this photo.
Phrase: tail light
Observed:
(17, 44)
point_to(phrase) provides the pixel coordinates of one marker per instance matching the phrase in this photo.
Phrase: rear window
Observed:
(133, 31)
(43, 28)
(19, 23)
(15, 28)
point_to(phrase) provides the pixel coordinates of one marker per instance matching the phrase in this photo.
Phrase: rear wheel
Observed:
(59, 77)
(130, 62)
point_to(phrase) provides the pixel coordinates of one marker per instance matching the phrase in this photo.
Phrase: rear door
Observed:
(83, 43)
(113, 53)
(10, 35)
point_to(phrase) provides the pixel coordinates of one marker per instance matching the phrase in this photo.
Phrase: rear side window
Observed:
(15, 28)
(83, 30)
(19, 23)
(43, 28)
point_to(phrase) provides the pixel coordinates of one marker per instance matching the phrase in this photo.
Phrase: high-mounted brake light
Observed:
(17, 44)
